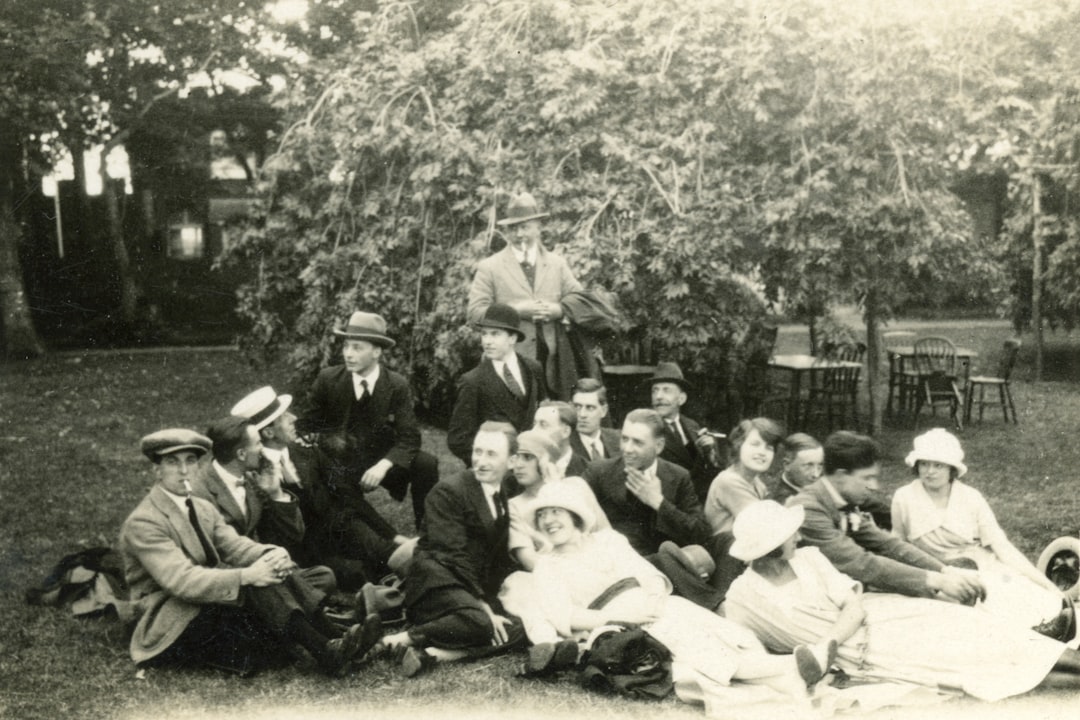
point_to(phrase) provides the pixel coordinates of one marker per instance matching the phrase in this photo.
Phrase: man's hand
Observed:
(547, 311)
(261, 573)
(499, 635)
(375, 474)
(279, 559)
(269, 478)
(644, 488)
(958, 585)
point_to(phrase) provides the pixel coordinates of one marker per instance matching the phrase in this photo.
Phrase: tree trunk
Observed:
(20, 338)
(129, 292)
(873, 361)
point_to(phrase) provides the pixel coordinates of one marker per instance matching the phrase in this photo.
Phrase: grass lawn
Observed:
(70, 471)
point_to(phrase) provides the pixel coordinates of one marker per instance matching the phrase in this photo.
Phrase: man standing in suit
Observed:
(558, 420)
(504, 387)
(525, 276)
(591, 440)
(686, 443)
(209, 595)
(451, 589)
(835, 523)
(367, 413)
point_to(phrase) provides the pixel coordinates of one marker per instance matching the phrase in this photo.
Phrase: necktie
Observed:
(512, 383)
(500, 504)
(676, 431)
(240, 494)
(208, 549)
(598, 450)
(364, 391)
(529, 268)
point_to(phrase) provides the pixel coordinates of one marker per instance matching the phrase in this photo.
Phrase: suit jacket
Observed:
(211, 487)
(482, 395)
(393, 432)
(609, 438)
(168, 572)
(869, 554)
(461, 536)
(688, 456)
(679, 518)
(500, 279)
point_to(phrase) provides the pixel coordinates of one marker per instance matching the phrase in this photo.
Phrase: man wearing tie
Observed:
(452, 586)
(684, 442)
(526, 277)
(592, 441)
(504, 387)
(558, 420)
(209, 595)
(366, 413)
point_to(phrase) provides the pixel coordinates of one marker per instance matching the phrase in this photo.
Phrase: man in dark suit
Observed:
(652, 501)
(591, 440)
(367, 412)
(452, 585)
(686, 443)
(209, 595)
(848, 536)
(504, 387)
(558, 420)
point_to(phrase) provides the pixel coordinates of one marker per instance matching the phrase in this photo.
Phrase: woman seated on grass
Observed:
(953, 522)
(795, 596)
(593, 579)
(754, 445)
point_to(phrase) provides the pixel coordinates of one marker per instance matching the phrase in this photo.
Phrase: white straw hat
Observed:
(262, 406)
(565, 495)
(762, 527)
(938, 445)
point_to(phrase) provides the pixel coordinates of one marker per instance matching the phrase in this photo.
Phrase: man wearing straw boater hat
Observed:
(366, 412)
(686, 442)
(525, 276)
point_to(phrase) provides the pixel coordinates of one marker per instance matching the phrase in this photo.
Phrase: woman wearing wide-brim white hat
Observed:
(793, 595)
(952, 521)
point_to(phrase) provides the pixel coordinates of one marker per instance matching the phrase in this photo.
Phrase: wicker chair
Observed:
(1005, 367)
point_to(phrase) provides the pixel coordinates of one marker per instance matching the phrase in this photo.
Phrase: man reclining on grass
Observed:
(210, 596)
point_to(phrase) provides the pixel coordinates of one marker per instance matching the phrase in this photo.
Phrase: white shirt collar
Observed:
(372, 377)
(231, 481)
(836, 496)
(511, 361)
(180, 500)
(529, 252)
(564, 461)
(273, 454)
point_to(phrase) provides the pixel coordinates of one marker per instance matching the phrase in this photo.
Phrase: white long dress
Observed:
(966, 527)
(917, 640)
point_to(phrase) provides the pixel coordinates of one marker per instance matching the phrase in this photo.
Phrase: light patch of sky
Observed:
(116, 166)
(288, 11)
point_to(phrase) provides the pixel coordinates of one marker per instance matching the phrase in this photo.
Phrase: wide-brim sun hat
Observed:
(562, 494)
(762, 527)
(502, 317)
(262, 407)
(938, 445)
(538, 444)
(522, 208)
(158, 444)
(366, 326)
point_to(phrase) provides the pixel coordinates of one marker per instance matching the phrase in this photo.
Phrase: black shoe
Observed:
(548, 658)
(1059, 627)
(415, 661)
(809, 669)
(357, 641)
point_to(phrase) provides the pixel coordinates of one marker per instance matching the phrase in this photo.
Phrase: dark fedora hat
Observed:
(173, 440)
(502, 317)
(668, 372)
(366, 326)
(522, 208)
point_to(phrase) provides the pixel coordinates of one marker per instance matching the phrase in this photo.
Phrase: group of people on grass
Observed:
(257, 544)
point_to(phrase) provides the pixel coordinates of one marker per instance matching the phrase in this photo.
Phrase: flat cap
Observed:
(173, 440)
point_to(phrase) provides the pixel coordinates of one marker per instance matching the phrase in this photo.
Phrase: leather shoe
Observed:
(809, 669)
(1059, 627)
(415, 661)
(547, 658)
(356, 641)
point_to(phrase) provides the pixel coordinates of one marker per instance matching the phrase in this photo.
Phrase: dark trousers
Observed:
(357, 552)
(467, 627)
(232, 639)
(421, 476)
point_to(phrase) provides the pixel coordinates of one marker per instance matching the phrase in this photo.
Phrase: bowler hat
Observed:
(762, 527)
(502, 317)
(694, 558)
(366, 326)
(668, 372)
(522, 208)
(173, 440)
(262, 406)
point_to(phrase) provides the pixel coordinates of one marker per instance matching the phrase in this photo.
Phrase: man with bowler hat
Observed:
(366, 412)
(505, 387)
(686, 443)
(525, 276)
(209, 595)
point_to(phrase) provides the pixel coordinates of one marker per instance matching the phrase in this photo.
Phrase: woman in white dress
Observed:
(592, 579)
(953, 522)
(792, 596)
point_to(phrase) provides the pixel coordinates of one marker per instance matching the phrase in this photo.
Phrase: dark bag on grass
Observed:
(630, 663)
(90, 582)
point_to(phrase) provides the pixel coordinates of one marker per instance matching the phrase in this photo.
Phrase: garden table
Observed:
(798, 366)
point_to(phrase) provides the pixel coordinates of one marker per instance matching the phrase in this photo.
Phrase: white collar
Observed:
(273, 454)
(531, 252)
(834, 494)
(180, 500)
(372, 377)
(233, 482)
(564, 460)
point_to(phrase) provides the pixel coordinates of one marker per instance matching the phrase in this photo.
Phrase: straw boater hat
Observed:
(565, 495)
(938, 445)
(521, 208)
(502, 317)
(668, 372)
(539, 444)
(173, 440)
(366, 326)
(762, 527)
(262, 407)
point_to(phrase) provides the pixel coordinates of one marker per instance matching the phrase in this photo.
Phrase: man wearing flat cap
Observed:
(525, 276)
(367, 414)
(685, 443)
(210, 596)
(505, 387)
